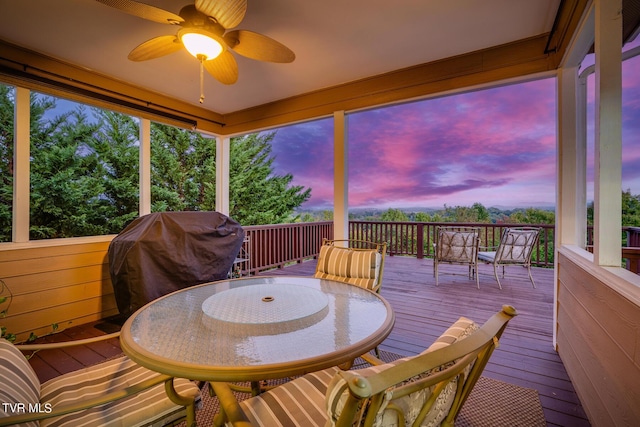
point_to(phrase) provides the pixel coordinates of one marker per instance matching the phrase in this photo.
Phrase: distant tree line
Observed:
(476, 213)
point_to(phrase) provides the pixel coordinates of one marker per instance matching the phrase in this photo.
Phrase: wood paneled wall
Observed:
(599, 337)
(56, 282)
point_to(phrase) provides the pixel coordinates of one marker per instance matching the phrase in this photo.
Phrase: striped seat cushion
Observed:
(359, 267)
(412, 404)
(316, 399)
(19, 383)
(300, 402)
(150, 407)
(461, 329)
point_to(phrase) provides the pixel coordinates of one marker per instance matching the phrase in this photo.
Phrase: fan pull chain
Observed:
(202, 59)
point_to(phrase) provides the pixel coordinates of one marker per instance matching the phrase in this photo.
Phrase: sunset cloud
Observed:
(495, 146)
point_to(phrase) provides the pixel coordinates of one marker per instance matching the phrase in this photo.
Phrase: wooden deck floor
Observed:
(526, 356)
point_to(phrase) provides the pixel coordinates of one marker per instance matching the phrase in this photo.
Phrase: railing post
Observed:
(420, 241)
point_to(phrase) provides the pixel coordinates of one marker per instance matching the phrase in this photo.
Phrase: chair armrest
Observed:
(230, 410)
(64, 344)
(88, 403)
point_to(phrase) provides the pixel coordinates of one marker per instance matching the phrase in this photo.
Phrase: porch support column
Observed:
(608, 133)
(571, 166)
(340, 177)
(571, 198)
(145, 167)
(223, 146)
(21, 154)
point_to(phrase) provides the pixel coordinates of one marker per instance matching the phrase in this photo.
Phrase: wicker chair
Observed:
(515, 248)
(358, 262)
(427, 389)
(457, 245)
(117, 392)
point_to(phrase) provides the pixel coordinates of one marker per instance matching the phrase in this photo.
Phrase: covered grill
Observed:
(162, 252)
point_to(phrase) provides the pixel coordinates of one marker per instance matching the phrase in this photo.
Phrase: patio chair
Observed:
(242, 263)
(457, 245)
(358, 262)
(427, 389)
(515, 248)
(117, 392)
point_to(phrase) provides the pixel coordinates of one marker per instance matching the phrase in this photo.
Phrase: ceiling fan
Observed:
(205, 34)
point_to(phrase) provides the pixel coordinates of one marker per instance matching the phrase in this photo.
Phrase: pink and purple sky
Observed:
(496, 147)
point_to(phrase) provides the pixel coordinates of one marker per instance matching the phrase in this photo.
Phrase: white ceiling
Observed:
(335, 41)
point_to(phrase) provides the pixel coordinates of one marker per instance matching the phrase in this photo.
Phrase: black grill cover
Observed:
(162, 252)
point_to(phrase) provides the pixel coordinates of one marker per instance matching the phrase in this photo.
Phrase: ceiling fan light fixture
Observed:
(202, 44)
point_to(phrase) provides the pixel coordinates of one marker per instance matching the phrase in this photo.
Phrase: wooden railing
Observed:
(417, 238)
(630, 236)
(633, 236)
(275, 246)
(630, 247)
(631, 251)
(631, 256)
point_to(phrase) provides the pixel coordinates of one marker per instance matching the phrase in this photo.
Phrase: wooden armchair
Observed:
(427, 389)
(358, 262)
(457, 245)
(515, 248)
(114, 393)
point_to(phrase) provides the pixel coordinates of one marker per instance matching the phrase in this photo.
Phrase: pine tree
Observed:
(6, 161)
(65, 187)
(256, 195)
(117, 148)
(182, 170)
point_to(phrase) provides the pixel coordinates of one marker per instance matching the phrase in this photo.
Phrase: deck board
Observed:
(526, 356)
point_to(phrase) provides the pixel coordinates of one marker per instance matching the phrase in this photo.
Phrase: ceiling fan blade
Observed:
(224, 68)
(144, 11)
(228, 13)
(257, 46)
(155, 48)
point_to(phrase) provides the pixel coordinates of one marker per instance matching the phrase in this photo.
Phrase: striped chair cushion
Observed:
(462, 328)
(150, 407)
(19, 384)
(300, 402)
(359, 267)
(316, 399)
(337, 389)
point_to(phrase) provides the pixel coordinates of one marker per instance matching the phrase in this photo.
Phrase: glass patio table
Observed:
(257, 328)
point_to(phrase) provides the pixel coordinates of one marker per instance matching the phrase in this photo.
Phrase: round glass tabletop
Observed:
(256, 328)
